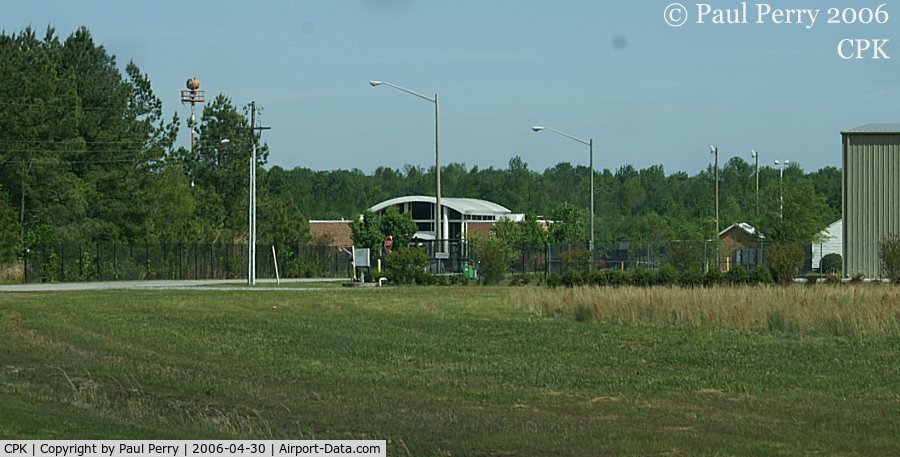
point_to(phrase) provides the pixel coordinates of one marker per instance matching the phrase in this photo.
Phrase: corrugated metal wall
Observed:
(871, 198)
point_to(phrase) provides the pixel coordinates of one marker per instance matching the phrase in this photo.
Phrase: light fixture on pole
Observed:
(714, 150)
(781, 166)
(251, 244)
(590, 144)
(438, 218)
(755, 154)
(222, 143)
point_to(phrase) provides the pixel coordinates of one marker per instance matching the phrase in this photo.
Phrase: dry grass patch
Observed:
(12, 273)
(842, 311)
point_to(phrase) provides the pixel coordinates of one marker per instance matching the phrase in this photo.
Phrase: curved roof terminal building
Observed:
(459, 216)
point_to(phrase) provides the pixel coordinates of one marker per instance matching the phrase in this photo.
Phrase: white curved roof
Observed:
(472, 206)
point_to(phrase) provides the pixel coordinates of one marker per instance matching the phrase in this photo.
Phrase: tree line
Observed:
(87, 156)
(631, 204)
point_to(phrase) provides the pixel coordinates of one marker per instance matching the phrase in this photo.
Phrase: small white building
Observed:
(830, 242)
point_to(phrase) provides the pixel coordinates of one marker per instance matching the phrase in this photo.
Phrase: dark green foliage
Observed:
(686, 254)
(832, 264)
(366, 231)
(553, 280)
(576, 260)
(667, 275)
(568, 224)
(737, 276)
(761, 274)
(400, 227)
(407, 265)
(572, 278)
(785, 261)
(642, 278)
(370, 230)
(691, 277)
(890, 257)
(713, 277)
(608, 278)
(492, 255)
(88, 156)
(805, 212)
(10, 245)
(531, 234)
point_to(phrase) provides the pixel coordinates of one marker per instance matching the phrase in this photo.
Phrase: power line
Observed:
(76, 162)
(49, 151)
(74, 141)
(82, 108)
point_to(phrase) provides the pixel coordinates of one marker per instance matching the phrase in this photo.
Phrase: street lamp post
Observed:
(437, 157)
(714, 150)
(222, 143)
(590, 144)
(251, 245)
(755, 154)
(781, 166)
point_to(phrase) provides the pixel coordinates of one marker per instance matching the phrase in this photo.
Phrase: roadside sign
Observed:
(362, 258)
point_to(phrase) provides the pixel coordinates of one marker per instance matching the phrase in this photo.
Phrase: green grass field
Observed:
(440, 371)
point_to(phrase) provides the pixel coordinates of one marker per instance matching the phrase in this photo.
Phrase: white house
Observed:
(831, 242)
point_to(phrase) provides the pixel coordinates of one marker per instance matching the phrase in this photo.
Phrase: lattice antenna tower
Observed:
(193, 95)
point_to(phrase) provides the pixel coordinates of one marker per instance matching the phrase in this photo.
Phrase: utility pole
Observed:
(755, 154)
(591, 243)
(251, 244)
(715, 150)
(781, 166)
(22, 207)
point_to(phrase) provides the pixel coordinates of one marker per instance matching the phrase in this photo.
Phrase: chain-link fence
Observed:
(111, 262)
(625, 256)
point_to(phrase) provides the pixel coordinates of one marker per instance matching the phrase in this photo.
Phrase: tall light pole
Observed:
(590, 144)
(781, 166)
(251, 244)
(755, 154)
(714, 150)
(437, 157)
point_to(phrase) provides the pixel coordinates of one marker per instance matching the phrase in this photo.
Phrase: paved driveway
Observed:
(207, 284)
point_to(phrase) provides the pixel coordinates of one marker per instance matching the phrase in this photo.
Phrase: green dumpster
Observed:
(470, 272)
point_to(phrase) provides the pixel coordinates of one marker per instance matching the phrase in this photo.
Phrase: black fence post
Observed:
(196, 261)
(547, 261)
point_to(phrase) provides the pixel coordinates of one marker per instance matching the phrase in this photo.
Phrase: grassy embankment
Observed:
(464, 370)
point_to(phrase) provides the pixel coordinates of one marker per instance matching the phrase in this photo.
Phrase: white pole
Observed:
(253, 228)
(591, 245)
(251, 274)
(275, 261)
(353, 261)
(439, 234)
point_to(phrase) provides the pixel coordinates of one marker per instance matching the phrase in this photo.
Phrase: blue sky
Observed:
(614, 71)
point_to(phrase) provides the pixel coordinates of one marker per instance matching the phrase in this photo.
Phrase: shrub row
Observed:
(665, 276)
